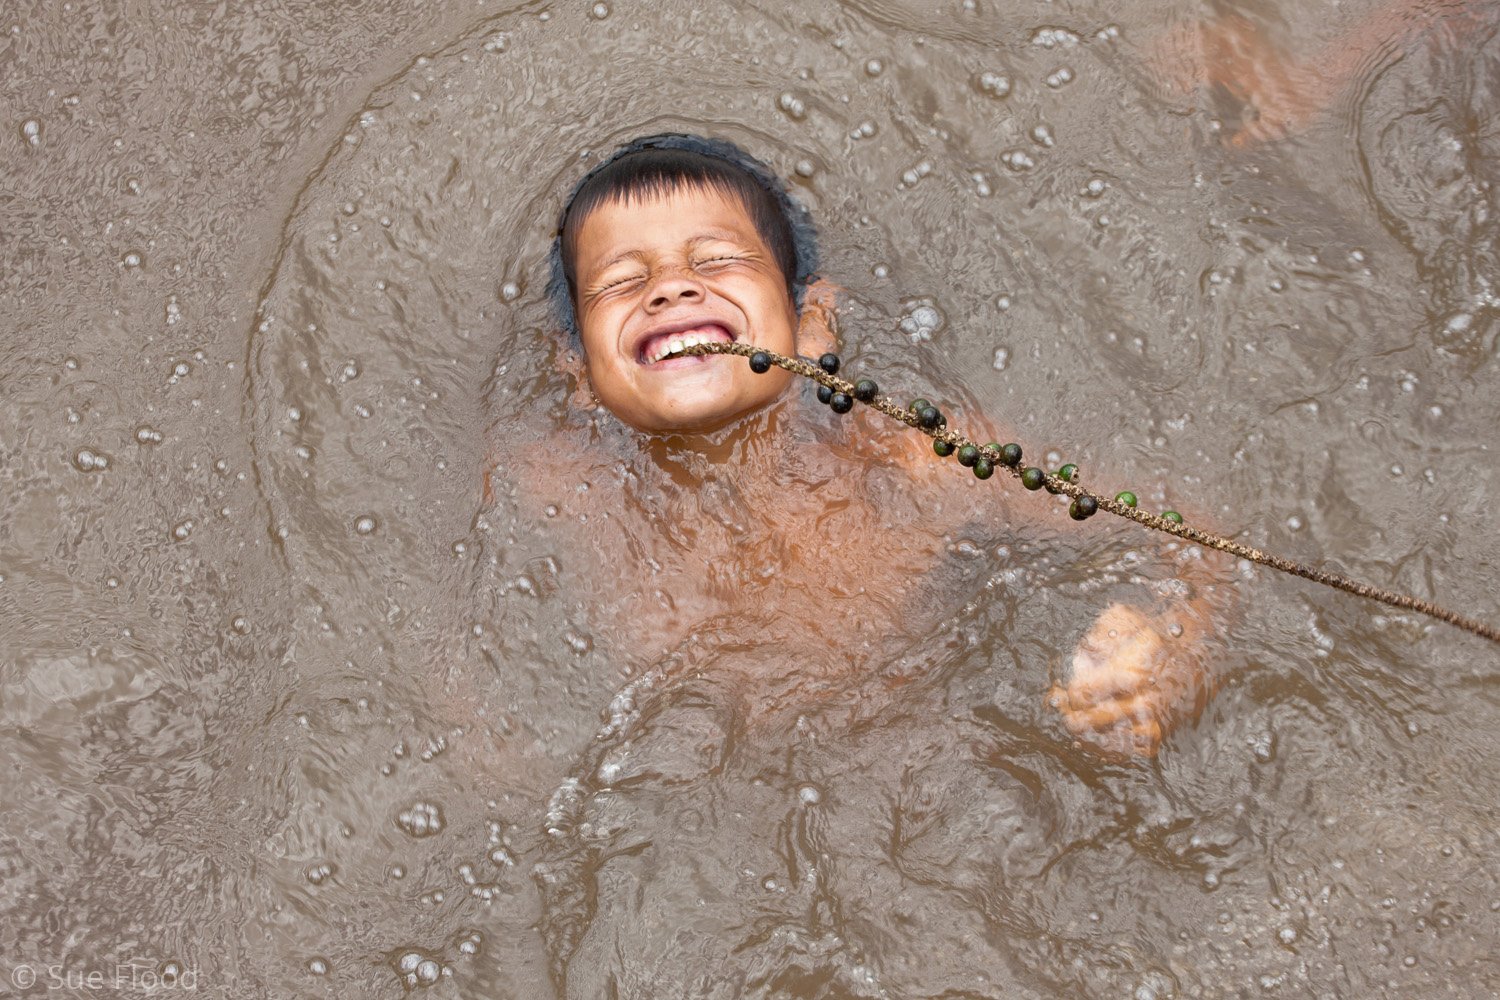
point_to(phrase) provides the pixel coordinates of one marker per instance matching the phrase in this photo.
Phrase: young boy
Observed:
(678, 240)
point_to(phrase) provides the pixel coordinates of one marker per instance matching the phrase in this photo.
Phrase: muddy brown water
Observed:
(292, 707)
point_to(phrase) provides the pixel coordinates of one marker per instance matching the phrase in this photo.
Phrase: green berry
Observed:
(829, 363)
(1068, 473)
(865, 390)
(825, 394)
(1033, 478)
(1171, 515)
(760, 362)
(967, 456)
(1010, 455)
(941, 448)
(1125, 497)
(1050, 488)
(841, 403)
(930, 417)
(918, 405)
(983, 469)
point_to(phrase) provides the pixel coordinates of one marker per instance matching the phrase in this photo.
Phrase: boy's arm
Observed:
(1137, 673)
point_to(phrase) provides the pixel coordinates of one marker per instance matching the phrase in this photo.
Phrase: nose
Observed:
(674, 286)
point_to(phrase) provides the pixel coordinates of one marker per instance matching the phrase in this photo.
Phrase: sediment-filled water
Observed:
(344, 651)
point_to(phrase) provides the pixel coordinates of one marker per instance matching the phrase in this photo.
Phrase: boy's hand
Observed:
(1132, 677)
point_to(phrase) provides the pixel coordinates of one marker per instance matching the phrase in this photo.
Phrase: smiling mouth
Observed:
(668, 345)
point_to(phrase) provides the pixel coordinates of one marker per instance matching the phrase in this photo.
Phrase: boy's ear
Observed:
(817, 329)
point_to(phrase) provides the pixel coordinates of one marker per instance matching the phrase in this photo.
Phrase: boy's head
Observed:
(675, 238)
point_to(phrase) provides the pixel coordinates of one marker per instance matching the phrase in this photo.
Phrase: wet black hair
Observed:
(660, 164)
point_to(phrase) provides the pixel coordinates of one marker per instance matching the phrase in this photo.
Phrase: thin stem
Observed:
(1056, 484)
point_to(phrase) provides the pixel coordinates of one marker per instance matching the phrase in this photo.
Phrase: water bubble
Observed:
(349, 372)
(992, 84)
(423, 819)
(317, 966)
(865, 130)
(874, 67)
(240, 624)
(1002, 359)
(1060, 78)
(428, 972)
(510, 291)
(601, 10)
(318, 874)
(469, 944)
(131, 259)
(810, 795)
(497, 42)
(1287, 935)
(31, 131)
(1174, 630)
(1002, 302)
(174, 311)
(181, 369)
(805, 168)
(1095, 187)
(1459, 322)
(1041, 134)
(922, 319)
(182, 530)
(923, 168)
(1018, 160)
(89, 460)
(1051, 38)
(365, 525)
(793, 105)
(111, 582)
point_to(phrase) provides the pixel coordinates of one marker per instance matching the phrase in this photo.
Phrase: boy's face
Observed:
(686, 265)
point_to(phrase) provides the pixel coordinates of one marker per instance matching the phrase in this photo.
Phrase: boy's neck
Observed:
(692, 458)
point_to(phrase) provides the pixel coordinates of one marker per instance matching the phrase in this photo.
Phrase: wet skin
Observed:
(656, 270)
(689, 264)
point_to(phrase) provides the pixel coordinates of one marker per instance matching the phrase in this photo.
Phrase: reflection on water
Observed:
(317, 588)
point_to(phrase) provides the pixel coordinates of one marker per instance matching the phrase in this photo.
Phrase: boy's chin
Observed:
(705, 417)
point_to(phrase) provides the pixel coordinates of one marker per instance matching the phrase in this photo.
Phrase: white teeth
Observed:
(679, 344)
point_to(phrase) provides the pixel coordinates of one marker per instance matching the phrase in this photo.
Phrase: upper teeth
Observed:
(677, 344)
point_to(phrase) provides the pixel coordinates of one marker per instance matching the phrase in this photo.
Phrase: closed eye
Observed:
(617, 282)
(718, 261)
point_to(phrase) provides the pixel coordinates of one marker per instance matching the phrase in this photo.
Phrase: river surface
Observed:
(319, 594)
